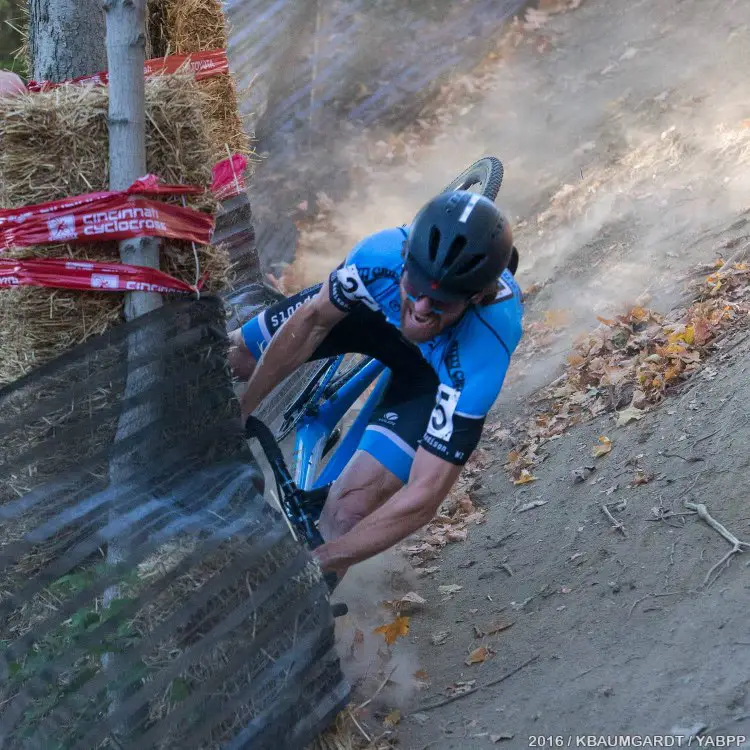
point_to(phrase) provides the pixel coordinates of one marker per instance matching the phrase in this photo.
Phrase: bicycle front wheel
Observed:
(484, 176)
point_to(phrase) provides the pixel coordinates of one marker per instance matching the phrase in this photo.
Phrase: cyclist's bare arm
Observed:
(291, 346)
(408, 510)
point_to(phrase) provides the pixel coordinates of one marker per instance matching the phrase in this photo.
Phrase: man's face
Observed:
(423, 318)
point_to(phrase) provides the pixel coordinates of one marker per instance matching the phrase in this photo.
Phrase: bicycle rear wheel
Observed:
(486, 175)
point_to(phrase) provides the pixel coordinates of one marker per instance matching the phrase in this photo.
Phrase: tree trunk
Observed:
(126, 53)
(127, 156)
(66, 39)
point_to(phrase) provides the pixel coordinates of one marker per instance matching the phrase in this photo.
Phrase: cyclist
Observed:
(436, 303)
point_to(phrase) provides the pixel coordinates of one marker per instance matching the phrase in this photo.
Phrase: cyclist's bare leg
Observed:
(361, 488)
(240, 360)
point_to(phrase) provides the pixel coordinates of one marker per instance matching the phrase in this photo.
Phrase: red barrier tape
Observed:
(107, 216)
(101, 277)
(202, 64)
(229, 177)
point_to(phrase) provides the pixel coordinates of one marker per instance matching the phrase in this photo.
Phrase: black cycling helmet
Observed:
(458, 244)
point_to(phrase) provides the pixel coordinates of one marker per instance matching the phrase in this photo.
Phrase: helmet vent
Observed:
(434, 242)
(458, 244)
(469, 265)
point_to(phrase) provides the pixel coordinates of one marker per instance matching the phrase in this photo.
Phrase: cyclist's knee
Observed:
(240, 360)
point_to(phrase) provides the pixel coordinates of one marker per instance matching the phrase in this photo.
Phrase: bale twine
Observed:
(185, 26)
(55, 145)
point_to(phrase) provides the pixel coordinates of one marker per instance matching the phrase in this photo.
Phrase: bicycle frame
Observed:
(315, 428)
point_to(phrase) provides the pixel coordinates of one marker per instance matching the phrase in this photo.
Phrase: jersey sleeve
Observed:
(462, 403)
(355, 282)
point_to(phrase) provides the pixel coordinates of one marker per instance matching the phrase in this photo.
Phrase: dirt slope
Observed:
(624, 132)
(628, 639)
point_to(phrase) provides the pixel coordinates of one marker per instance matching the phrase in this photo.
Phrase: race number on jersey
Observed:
(353, 288)
(441, 419)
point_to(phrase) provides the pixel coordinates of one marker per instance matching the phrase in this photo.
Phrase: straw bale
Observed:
(185, 26)
(194, 25)
(55, 145)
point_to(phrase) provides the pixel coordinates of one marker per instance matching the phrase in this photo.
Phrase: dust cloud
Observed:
(366, 660)
(626, 158)
(618, 153)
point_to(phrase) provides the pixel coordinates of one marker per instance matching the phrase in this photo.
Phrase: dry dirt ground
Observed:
(624, 131)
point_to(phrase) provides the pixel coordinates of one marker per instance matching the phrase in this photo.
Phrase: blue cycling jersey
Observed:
(471, 357)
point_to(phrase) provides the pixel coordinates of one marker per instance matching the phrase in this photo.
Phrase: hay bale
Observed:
(55, 145)
(184, 26)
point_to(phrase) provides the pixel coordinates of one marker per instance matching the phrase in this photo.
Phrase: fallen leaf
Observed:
(525, 477)
(602, 449)
(626, 416)
(479, 655)
(498, 626)
(495, 738)
(556, 318)
(642, 477)
(465, 504)
(450, 588)
(422, 572)
(457, 535)
(394, 630)
(406, 604)
(421, 674)
(459, 688)
(532, 504)
(439, 638)
(393, 718)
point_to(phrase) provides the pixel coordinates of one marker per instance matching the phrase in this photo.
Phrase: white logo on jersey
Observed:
(503, 290)
(353, 288)
(441, 419)
(391, 416)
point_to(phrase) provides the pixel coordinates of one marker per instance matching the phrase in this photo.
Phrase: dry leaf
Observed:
(406, 604)
(465, 504)
(439, 638)
(602, 449)
(642, 477)
(450, 588)
(394, 630)
(533, 504)
(556, 318)
(479, 655)
(422, 572)
(459, 688)
(498, 626)
(393, 718)
(525, 477)
(421, 674)
(457, 535)
(626, 416)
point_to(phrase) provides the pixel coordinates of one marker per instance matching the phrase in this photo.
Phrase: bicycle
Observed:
(331, 389)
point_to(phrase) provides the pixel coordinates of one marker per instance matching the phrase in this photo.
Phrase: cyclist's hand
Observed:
(326, 561)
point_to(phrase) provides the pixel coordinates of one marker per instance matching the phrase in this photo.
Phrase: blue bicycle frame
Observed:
(314, 429)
